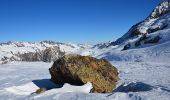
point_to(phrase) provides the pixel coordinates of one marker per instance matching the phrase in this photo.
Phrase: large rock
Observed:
(78, 70)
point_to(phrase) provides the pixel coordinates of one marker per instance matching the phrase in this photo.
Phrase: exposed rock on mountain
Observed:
(162, 9)
(52, 54)
(46, 51)
(30, 56)
(157, 21)
(148, 40)
(48, 55)
(78, 70)
(153, 30)
(101, 45)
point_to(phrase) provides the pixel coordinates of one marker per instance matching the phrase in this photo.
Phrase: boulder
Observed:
(78, 70)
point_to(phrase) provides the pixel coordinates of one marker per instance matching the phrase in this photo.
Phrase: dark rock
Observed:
(135, 32)
(40, 90)
(78, 70)
(127, 46)
(153, 40)
(138, 43)
(151, 30)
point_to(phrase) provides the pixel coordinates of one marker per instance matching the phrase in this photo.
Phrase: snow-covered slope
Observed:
(148, 40)
(158, 20)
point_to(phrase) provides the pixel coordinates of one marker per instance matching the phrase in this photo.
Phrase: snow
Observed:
(86, 88)
(161, 8)
(143, 70)
(146, 53)
(67, 88)
(25, 89)
(10, 50)
(139, 81)
(31, 87)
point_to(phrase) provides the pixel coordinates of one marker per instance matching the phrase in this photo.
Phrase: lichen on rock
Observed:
(78, 70)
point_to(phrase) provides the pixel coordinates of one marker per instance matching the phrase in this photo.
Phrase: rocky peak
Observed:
(162, 9)
(158, 20)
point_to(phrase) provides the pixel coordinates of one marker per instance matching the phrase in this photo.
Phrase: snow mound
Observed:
(25, 89)
(31, 87)
(86, 88)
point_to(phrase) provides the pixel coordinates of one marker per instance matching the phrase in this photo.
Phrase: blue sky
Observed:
(78, 21)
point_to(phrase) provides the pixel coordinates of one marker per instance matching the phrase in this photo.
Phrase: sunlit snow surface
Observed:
(139, 81)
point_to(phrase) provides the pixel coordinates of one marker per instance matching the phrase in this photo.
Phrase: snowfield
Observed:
(138, 81)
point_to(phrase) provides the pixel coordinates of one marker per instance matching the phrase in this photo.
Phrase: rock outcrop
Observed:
(48, 55)
(156, 22)
(162, 9)
(52, 54)
(78, 70)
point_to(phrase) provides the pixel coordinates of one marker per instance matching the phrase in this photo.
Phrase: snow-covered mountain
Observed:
(42, 51)
(147, 40)
(158, 20)
(147, 37)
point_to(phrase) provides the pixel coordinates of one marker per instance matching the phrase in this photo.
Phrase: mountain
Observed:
(43, 51)
(146, 40)
(158, 20)
(148, 36)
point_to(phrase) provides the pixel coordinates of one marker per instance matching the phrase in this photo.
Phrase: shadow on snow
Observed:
(46, 83)
(133, 87)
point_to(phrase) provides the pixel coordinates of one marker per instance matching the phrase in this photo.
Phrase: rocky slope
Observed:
(149, 30)
(148, 40)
